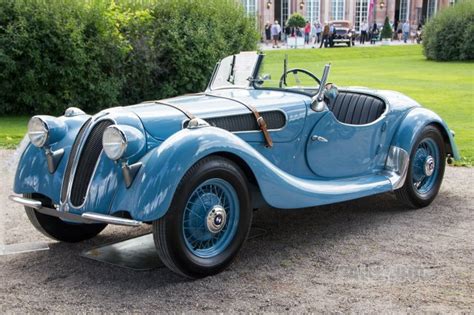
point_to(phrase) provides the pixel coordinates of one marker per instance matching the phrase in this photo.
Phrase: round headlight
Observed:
(114, 142)
(38, 131)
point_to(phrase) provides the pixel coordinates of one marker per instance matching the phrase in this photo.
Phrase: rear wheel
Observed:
(208, 221)
(425, 171)
(58, 229)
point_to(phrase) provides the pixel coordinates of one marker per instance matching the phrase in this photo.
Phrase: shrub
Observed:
(178, 44)
(450, 34)
(101, 53)
(387, 29)
(54, 56)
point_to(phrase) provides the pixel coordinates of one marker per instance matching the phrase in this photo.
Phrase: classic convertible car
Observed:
(196, 166)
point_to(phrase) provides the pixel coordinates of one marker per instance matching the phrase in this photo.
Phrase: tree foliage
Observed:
(450, 34)
(296, 20)
(101, 53)
(387, 29)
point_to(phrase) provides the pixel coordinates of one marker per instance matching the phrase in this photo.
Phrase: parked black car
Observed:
(344, 34)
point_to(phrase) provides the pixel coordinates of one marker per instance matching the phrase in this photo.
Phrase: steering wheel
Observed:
(295, 71)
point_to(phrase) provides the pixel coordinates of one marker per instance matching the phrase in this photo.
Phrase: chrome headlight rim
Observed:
(38, 137)
(116, 148)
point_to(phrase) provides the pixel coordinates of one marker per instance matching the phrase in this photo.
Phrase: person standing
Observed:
(363, 32)
(332, 34)
(319, 30)
(268, 33)
(406, 31)
(307, 32)
(374, 34)
(275, 31)
(325, 37)
(399, 31)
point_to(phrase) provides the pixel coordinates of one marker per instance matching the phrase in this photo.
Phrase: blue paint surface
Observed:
(297, 172)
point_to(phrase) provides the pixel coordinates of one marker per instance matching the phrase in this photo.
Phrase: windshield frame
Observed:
(250, 80)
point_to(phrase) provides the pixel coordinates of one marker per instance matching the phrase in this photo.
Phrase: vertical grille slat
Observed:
(70, 161)
(87, 162)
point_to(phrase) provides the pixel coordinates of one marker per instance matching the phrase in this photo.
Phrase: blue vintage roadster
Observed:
(196, 166)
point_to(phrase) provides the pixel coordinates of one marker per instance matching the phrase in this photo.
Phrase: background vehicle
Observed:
(344, 33)
(195, 166)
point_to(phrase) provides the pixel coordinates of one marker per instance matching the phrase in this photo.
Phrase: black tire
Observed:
(56, 228)
(168, 231)
(408, 194)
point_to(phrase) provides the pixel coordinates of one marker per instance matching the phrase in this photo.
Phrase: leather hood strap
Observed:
(260, 120)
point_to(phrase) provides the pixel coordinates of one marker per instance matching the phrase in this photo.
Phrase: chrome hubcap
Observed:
(429, 166)
(216, 219)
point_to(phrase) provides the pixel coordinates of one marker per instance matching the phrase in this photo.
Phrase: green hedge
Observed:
(97, 54)
(450, 34)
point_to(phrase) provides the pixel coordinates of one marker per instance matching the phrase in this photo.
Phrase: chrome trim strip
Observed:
(97, 217)
(35, 204)
(88, 217)
(396, 166)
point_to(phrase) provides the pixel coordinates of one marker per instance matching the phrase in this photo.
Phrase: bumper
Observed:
(341, 40)
(87, 217)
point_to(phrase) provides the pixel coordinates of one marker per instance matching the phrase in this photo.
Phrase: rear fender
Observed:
(414, 123)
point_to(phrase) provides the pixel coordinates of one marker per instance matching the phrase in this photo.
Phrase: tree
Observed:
(296, 20)
(387, 29)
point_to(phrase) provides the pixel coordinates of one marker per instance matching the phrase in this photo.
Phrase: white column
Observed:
(327, 8)
(351, 16)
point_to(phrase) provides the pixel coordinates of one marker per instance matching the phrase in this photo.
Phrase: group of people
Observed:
(313, 34)
(404, 31)
(323, 34)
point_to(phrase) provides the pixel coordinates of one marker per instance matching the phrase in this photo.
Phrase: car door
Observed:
(339, 149)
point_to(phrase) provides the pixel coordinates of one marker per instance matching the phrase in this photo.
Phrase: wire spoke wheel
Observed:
(210, 218)
(426, 170)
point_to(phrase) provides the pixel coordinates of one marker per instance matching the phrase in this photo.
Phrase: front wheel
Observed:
(208, 220)
(58, 229)
(425, 171)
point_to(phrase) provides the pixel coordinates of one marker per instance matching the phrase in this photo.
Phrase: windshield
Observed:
(235, 71)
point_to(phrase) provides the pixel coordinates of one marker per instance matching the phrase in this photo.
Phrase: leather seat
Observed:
(356, 109)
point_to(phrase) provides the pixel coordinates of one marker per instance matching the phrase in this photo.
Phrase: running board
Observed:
(87, 217)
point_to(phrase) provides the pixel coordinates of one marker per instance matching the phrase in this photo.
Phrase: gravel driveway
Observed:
(368, 255)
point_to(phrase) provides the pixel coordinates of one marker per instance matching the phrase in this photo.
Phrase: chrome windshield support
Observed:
(317, 103)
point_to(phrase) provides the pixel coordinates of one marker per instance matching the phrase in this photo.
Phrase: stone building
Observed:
(417, 11)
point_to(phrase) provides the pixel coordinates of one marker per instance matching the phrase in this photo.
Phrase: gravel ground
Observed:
(368, 255)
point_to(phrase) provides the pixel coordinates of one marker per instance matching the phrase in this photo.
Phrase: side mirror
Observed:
(266, 77)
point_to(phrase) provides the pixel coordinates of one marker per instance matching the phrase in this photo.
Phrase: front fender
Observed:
(154, 187)
(32, 175)
(414, 123)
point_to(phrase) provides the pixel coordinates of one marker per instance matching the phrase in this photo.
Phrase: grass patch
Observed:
(12, 130)
(445, 87)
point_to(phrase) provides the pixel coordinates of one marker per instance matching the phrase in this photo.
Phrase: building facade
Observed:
(355, 11)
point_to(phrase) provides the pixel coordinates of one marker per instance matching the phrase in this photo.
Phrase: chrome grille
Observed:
(85, 167)
(70, 161)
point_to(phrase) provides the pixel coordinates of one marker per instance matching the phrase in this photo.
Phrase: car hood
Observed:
(161, 121)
